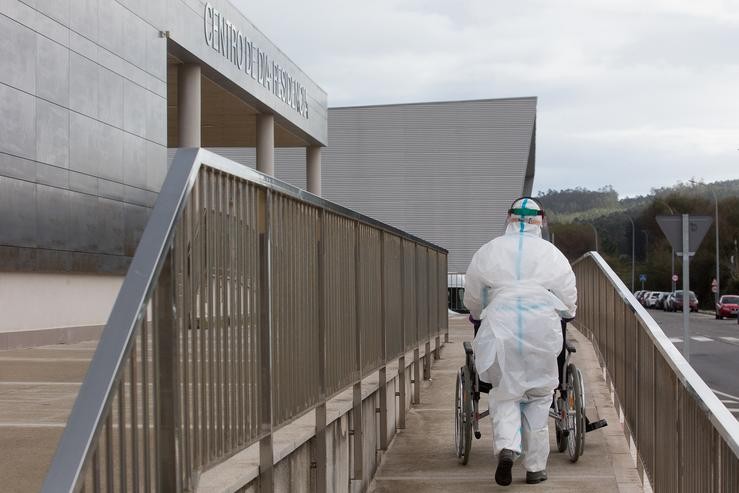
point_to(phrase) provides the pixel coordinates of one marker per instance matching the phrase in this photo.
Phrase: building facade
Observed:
(92, 93)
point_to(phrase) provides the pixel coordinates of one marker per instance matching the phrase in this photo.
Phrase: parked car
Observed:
(667, 305)
(650, 301)
(728, 306)
(661, 300)
(677, 301)
(642, 296)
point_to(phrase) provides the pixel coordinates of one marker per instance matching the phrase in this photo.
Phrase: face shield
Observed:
(526, 213)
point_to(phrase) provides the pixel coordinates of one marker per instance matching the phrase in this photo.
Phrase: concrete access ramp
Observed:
(421, 457)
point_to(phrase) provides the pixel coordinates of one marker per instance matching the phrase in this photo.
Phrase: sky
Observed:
(636, 94)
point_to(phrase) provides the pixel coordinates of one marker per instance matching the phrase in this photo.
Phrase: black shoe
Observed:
(505, 463)
(536, 477)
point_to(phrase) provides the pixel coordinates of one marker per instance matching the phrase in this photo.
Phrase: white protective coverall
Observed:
(520, 286)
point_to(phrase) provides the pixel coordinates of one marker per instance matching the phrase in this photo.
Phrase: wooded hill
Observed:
(573, 213)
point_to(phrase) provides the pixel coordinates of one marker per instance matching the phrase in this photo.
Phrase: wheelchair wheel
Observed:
(463, 416)
(575, 406)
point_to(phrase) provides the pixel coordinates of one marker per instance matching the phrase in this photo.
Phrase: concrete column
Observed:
(313, 169)
(266, 143)
(188, 105)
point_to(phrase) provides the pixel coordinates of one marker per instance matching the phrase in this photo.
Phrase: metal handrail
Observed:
(716, 412)
(108, 366)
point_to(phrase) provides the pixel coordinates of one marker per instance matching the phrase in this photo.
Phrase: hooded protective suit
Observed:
(520, 286)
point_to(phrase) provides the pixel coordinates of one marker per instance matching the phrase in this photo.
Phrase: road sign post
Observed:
(685, 234)
(686, 286)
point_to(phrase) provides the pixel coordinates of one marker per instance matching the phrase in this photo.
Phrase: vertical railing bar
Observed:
(357, 391)
(240, 270)
(183, 317)
(204, 325)
(134, 419)
(218, 357)
(193, 331)
(226, 310)
(196, 326)
(96, 485)
(234, 316)
(109, 470)
(233, 313)
(210, 269)
(265, 338)
(255, 303)
(383, 348)
(145, 398)
(122, 430)
(167, 397)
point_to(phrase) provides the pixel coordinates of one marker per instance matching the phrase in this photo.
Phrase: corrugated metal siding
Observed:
(446, 172)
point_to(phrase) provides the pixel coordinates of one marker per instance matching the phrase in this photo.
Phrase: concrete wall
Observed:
(45, 308)
(295, 474)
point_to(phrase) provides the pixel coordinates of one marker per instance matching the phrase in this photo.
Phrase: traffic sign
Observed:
(642, 277)
(714, 289)
(671, 226)
(674, 278)
(714, 283)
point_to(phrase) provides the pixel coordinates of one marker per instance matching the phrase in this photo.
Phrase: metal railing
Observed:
(247, 304)
(685, 437)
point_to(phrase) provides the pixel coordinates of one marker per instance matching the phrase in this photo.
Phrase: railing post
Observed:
(427, 346)
(319, 441)
(383, 408)
(167, 388)
(416, 376)
(401, 391)
(383, 342)
(357, 420)
(266, 455)
(401, 361)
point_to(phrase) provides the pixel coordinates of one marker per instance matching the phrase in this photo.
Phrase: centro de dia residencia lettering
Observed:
(228, 40)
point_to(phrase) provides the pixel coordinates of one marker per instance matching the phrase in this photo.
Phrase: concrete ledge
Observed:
(293, 443)
(47, 337)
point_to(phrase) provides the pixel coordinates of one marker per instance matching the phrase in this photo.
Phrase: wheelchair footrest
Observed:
(601, 423)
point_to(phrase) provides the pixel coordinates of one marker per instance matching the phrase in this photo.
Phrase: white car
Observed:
(651, 300)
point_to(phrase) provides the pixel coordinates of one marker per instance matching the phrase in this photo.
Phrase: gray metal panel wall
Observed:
(82, 131)
(446, 172)
(83, 122)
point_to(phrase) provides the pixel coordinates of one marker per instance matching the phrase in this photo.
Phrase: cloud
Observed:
(624, 86)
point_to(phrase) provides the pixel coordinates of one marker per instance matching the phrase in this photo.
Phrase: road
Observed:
(714, 351)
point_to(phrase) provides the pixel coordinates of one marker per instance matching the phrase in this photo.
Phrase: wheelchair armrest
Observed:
(570, 347)
(467, 347)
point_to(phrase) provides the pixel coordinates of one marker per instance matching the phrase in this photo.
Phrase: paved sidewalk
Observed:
(421, 457)
(38, 387)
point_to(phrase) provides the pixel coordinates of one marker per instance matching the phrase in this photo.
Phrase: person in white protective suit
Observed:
(520, 286)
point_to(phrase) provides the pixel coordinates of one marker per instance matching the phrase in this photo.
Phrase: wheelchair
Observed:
(568, 405)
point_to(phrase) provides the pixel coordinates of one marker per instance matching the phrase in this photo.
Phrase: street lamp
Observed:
(633, 242)
(717, 294)
(595, 231)
(672, 251)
